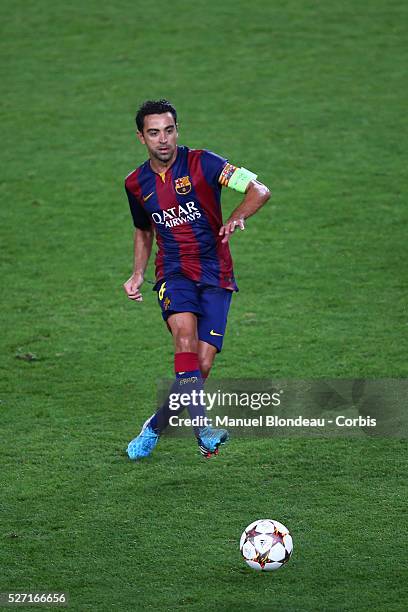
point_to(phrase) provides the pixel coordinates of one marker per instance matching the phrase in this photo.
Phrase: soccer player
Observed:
(176, 195)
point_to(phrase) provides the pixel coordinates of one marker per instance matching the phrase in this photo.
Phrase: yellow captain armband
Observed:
(236, 178)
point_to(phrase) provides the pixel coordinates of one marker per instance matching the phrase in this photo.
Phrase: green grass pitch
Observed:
(312, 96)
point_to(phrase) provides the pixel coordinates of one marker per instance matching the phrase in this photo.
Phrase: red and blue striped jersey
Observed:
(184, 207)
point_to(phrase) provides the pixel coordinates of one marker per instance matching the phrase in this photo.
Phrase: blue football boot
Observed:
(143, 445)
(210, 439)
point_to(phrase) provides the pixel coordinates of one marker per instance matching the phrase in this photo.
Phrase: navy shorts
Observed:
(211, 305)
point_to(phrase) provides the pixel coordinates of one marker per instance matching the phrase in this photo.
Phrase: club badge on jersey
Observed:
(183, 185)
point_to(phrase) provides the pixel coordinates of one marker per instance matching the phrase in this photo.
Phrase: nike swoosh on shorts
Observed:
(213, 333)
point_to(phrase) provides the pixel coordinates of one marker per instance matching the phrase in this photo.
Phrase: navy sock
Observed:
(188, 380)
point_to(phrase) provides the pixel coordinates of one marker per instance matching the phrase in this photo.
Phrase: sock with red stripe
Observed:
(188, 379)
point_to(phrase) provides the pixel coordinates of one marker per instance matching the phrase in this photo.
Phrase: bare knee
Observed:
(183, 327)
(185, 342)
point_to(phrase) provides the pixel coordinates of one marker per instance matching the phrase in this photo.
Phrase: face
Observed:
(160, 136)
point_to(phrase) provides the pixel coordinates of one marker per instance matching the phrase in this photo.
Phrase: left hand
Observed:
(229, 227)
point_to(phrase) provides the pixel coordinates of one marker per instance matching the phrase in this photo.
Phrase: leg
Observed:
(183, 327)
(181, 309)
(178, 300)
(188, 350)
(193, 361)
(206, 356)
(215, 303)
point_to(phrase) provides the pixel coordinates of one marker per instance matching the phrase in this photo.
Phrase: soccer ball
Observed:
(266, 545)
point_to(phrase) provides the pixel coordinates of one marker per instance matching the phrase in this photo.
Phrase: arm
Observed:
(142, 249)
(256, 195)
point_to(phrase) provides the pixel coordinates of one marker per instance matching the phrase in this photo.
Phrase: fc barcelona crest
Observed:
(183, 185)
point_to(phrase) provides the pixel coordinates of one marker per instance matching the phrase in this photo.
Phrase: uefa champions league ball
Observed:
(266, 545)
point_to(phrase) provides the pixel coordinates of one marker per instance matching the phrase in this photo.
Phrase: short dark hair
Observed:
(154, 107)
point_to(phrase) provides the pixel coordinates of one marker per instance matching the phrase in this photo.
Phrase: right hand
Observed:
(132, 286)
(229, 227)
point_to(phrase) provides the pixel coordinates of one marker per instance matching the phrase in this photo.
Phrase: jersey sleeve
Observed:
(212, 166)
(141, 219)
(220, 173)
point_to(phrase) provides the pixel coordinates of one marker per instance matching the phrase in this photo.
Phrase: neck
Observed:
(160, 166)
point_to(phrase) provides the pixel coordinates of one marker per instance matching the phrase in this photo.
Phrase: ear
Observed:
(140, 137)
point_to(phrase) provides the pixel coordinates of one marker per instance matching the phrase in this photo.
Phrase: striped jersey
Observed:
(183, 205)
